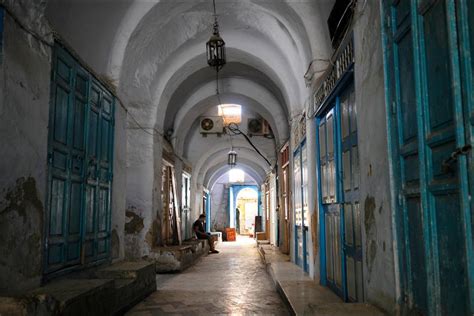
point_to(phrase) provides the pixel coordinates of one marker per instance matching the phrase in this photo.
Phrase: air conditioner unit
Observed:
(258, 127)
(212, 125)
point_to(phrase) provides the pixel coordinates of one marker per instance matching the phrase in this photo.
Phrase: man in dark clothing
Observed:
(198, 228)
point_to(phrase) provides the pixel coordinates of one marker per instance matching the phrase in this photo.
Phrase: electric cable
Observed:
(234, 129)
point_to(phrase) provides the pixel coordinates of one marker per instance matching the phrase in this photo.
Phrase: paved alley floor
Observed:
(231, 282)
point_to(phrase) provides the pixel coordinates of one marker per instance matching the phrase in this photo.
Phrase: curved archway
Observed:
(235, 217)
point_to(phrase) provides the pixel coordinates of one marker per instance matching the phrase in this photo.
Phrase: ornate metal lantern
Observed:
(216, 46)
(232, 158)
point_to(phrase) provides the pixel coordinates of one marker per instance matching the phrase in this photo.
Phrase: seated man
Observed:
(198, 228)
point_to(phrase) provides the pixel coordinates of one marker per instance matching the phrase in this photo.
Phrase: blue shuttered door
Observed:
(99, 174)
(339, 179)
(429, 92)
(404, 120)
(298, 220)
(78, 222)
(333, 238)
(349, 161)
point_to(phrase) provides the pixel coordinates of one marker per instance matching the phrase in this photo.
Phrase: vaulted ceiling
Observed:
(154, 52)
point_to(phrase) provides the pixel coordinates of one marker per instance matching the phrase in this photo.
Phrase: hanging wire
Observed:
(38, 37)
(234, 130)
(217, 88)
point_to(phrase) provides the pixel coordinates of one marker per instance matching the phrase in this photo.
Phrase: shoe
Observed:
(213, 251)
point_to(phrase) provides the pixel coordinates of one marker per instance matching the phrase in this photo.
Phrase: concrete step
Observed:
(124, 270)
(303, 295)
(170, 259)
(79, 297)
(108, 290)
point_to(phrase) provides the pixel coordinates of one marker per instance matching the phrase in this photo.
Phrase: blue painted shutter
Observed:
(428, 88)
(80, 167)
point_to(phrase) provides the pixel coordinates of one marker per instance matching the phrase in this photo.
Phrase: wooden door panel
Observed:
(425, 78)
(415, 246)
(440, 141)
(81, 132)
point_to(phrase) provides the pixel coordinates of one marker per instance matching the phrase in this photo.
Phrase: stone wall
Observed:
(24, 109)
(119, 184)
(376, 213)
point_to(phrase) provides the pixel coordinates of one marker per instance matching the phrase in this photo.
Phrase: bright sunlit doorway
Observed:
(245, 211)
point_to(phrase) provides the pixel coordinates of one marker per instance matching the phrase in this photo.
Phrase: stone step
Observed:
(302, 294)
(109, 290)
(121, 284)
(77, 296)
(124, 270)
(169, 259)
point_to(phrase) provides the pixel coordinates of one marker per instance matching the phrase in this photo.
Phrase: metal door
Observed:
(426, 73)
(70, 201)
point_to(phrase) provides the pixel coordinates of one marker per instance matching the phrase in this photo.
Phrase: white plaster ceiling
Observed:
(154, 52)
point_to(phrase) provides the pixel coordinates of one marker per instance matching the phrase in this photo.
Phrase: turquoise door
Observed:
(301, 207)
(429, 88)
(331, 209)
(339, 178)
(79, 149)
(66, 155)
(349, 164)
(98, 176)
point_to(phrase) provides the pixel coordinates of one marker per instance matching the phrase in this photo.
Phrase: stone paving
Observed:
(231, 282)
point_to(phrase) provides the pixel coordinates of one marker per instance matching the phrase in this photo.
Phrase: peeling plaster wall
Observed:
(139, 194)
(312, 245)
(24, 109)
(376, 213)
(95, 19)
(119, 185)
(219, 205)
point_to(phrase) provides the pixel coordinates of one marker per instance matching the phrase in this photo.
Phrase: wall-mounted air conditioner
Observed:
(212, 125)
(258, 127)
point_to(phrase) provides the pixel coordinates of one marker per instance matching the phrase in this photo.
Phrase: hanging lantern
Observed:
(216, 51)
(232, 158)
(216, 46)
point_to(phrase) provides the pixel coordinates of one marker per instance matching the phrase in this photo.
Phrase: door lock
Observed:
(453, 158)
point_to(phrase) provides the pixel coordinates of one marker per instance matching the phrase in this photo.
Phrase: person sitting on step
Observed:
(198, 228)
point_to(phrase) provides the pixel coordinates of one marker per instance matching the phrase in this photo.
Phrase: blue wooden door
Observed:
(298, 206)
(349, 164)
(425, 81)
(329, 199)
(71, 148)
(304, 201)
(98, 177)
(65, 157)
(339, 178)
(301, 214)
